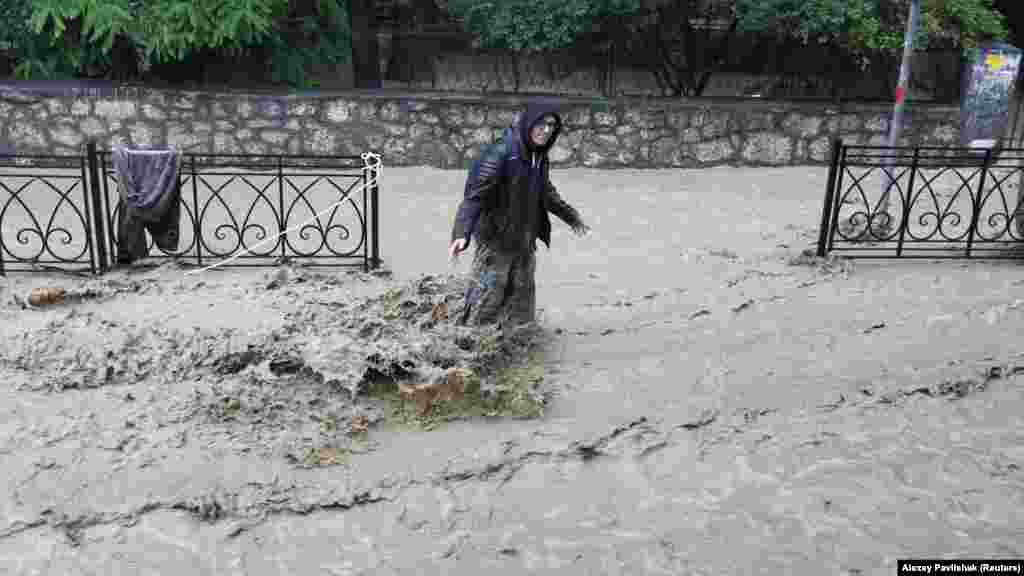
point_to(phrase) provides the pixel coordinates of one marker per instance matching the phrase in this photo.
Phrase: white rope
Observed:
(370, 160)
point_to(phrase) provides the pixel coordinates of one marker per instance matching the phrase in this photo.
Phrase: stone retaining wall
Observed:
(446, 130)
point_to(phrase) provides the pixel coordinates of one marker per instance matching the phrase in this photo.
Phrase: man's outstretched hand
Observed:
(581, 229)
(457, 247)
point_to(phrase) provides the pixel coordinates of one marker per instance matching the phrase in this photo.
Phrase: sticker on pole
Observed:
(989, 77)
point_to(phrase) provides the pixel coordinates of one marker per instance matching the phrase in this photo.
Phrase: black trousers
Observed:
(161, 221)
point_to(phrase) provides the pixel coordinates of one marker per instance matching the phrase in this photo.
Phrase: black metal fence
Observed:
(923, 202)
(61, 212)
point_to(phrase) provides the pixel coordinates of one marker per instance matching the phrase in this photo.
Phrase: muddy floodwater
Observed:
(712, 403)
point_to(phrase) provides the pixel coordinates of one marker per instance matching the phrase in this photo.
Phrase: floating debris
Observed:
(46, 296)
(360, 424)
(439, 312)
(451, 386)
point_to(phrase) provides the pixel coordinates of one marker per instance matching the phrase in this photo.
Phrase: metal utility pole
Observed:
(901, 95)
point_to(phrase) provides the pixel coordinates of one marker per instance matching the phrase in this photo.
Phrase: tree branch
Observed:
(690, 41)
(671, 71)
(718, 57)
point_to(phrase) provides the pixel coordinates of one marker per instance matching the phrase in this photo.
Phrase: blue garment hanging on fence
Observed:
(144, 176)
(147, 183)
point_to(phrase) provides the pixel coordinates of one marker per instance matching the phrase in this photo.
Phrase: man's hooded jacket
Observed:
(508, 193)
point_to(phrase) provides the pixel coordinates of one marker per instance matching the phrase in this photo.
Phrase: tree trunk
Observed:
(685, 59)
(836, 76)
(1014, 12)
(712, 58)
(425, 13)
(365, 59)
(609, 77)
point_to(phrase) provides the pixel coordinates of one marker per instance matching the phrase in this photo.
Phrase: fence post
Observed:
(2, 273)
(92, 158)
(906, 202)
(976, 208)
(365, 187)
(197, 224)
(375, 215)
(826, 210)
(281, 225)
(90, 241)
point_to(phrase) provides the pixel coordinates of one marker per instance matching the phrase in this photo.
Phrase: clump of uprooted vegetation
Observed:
(514, 390)
(446, 371)
(396, 360)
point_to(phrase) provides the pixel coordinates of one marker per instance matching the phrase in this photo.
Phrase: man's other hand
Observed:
(581, 229)
(457, 247)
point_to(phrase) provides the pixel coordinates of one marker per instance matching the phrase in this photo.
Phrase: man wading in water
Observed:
(505, 206)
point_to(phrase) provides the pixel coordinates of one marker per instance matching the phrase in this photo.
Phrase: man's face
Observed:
(541, 131)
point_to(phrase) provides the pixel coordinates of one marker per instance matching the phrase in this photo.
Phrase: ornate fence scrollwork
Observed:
(230, 203)
(943, 203)
(45, 214)
(63, 211)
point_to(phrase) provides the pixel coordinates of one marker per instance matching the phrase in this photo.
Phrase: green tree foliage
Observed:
(689, 51)
(81, 34)
(319, 33)
(530, 26)
(873, 25)
(35, 58)
(71, 38)
(14, 15)
(869, 33)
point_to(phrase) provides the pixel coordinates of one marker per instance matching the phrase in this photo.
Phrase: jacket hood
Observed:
(534, 112)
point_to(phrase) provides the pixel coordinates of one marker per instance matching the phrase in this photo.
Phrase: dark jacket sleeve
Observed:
(480, 186)
(560, 208)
